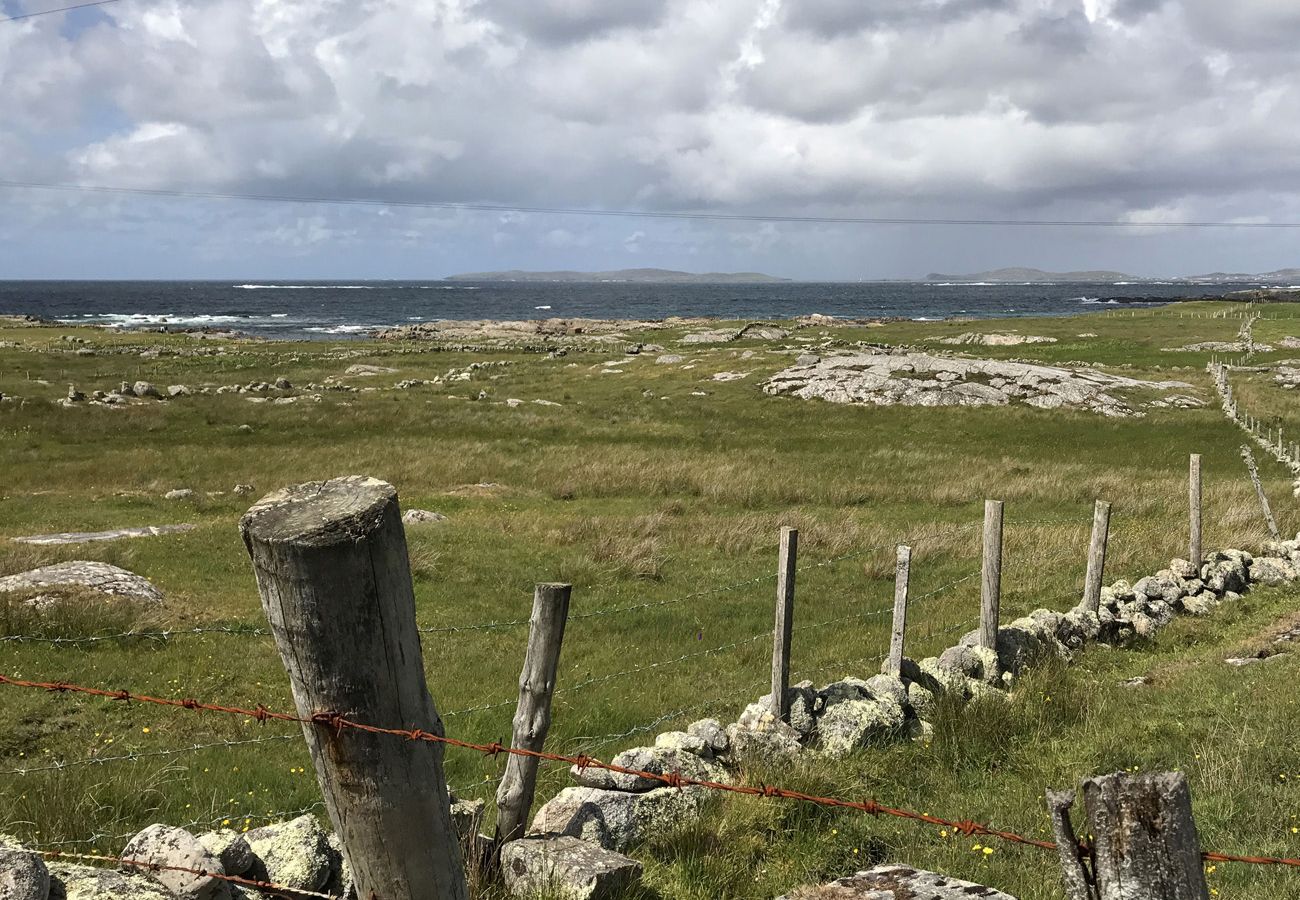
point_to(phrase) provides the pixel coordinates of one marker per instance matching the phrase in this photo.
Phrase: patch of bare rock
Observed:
(83, 574)
(86, 537)
(917, 379)
(897, 883)
(997, 339)
(764, 331)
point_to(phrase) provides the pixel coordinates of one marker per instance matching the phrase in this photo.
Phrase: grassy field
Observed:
(658, 493)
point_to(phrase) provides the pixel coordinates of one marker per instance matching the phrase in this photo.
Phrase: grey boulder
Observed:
(655, 760)
(69, 882)
(711, 732)
(897, 883)
(295, 854)
(853, 724)
(230, 848)
(23, 875)
(172, 850)
(617, 819)
(566, 867)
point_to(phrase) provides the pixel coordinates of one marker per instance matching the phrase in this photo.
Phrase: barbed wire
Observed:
(152, 754)
(146, 865)
(338, 723)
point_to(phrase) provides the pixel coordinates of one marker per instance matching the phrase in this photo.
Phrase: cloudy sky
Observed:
(1134, 111)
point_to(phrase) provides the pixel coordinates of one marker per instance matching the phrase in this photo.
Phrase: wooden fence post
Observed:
(991, 576)
(533, 714)
(332, 568)
(902, 572)
(1194, 554)
(1096, 556)
(1145, 840)
(785, 572)
(1251, 469)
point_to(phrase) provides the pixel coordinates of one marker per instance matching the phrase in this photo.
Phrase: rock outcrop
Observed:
(88, 575)
(897, 883)
(917, 379)
(568, 867)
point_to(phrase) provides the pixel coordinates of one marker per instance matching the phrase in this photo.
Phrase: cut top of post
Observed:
(320, 513)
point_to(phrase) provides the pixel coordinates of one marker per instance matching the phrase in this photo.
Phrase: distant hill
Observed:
(641, 276)
(1020, 274)
(1277, 276)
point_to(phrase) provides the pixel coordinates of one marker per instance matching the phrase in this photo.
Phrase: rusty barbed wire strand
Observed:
(279, 889)
(339, 723)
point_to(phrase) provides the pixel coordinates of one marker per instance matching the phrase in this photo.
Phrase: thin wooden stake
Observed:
(785, 572)
(991, 576)
(902, 572)
(1251, 469)
(1194, 508)
(1073, 872)
(533, 713)
(1096, 556)
(332, 568)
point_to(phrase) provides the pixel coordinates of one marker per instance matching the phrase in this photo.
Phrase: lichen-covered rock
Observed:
(852, 724)
(295, 854)
(921, 699)
(230, 848)
(767, 745)
(1027, 642)
(94, 576)
(1183, 568)
(1202, 604)
(172, 849)
(803, 704)
(23, 875)
(422, 517)
(617, 819)
(145, 389)
(891, 882)
(889, 686)
(69, 882)
(684, 742)
(341, 883)
(942, 679)
(1077, 627)
(711, 732)
(466, 816)
(969, 660)
(655, 760)
(1226, 570)
(566, 867)
(843, 690)
(1271, 570)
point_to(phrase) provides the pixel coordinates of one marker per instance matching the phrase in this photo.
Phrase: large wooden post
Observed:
(1194, 553)
(533, 714)
(1145, 845)
(991, 576)
(1096, 556)
(781, 632)
(902, 573)
(332, 568)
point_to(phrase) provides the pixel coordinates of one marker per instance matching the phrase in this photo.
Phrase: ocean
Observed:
(333, 310)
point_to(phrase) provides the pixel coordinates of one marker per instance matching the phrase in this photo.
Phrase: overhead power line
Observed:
(629, 213)
(50, 12)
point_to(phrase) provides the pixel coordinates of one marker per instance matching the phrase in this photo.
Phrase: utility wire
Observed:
(628, 213)
(48, 12)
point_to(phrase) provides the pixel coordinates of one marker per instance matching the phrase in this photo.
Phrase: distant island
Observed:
(1020, 274)
(637, 276)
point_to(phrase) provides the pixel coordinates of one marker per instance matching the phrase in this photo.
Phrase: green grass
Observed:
(636, 500)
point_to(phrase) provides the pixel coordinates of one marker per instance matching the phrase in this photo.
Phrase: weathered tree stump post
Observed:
(785, 572)
(1145, 845)
(1253, 471)
(332, 568)
(533, 714)
(1194, 553)
(991, 575)
(1096, 556)
(902, 573)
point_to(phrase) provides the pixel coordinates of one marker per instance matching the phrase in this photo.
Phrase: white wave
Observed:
(541, 307)
(926, 319)
(341, 329)
(1087, 299)
(138, 319)
(305, 287)
(448, 287)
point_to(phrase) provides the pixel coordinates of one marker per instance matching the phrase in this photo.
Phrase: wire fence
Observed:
(339, 724)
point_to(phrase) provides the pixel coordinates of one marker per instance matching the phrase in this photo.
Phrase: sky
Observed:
(1130, 111)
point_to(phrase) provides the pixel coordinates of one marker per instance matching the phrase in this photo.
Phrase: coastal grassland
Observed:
(636, 500)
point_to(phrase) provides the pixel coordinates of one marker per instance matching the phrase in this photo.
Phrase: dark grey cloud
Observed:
(566, 21)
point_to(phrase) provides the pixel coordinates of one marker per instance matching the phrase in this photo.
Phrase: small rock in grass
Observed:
(421, 517)
(178, 494)
(145, 389)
